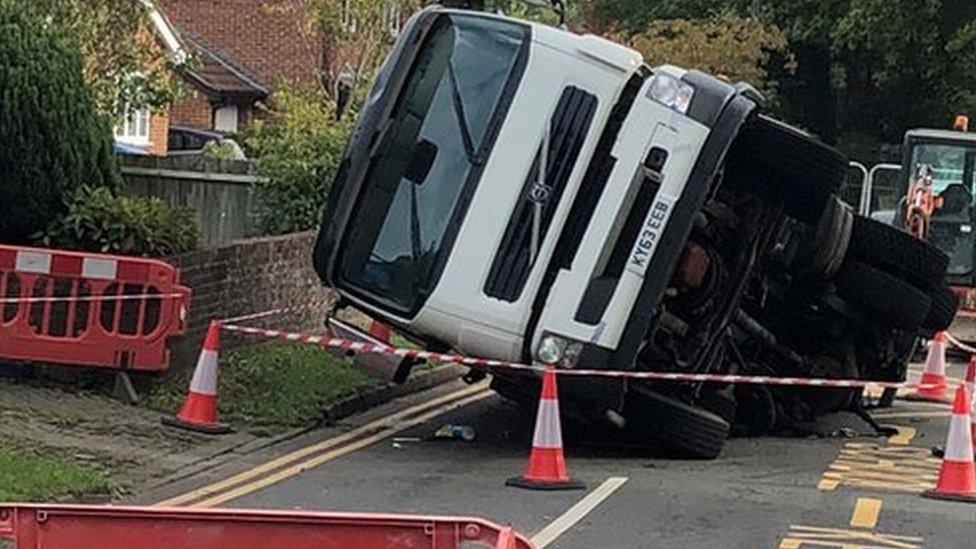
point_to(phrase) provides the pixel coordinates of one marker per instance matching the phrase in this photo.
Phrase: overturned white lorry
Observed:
(520, 192)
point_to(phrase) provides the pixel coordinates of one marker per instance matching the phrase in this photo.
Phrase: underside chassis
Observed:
(778, 278)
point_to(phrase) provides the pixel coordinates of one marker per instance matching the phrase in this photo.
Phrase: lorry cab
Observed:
(511, 181)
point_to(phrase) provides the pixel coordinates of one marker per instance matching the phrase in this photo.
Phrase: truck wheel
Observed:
(945, 304)
(882, 295)
(897, 252)
(680, 428)
(828, 248)
(809, 171)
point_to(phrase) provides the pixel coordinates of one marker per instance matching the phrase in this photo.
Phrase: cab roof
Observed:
(944, 135)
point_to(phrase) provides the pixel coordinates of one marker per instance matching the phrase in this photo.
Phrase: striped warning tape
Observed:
(962, 346)
(87, 298)
(274, 312)
(486, 363)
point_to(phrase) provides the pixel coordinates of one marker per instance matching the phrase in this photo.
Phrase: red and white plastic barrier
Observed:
(474, 362)
(88, 309)
(41, 526)
(87, 298)
(72, 264)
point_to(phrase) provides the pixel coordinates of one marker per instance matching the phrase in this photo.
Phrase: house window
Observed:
(135, 127)
(226, 119)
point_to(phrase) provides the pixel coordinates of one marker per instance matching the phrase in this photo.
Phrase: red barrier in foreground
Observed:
(88, 309)
(84, 526)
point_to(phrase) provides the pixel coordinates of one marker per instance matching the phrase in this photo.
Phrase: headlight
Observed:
(550, 349)
(558, 351)
(671, 92)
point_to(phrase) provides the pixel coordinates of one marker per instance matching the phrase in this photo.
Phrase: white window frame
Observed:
(136, 128)
(227, 119)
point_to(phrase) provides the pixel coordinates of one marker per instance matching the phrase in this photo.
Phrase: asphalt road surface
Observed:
(848, 489)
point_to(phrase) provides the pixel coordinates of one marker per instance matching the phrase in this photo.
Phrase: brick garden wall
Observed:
(245, 277)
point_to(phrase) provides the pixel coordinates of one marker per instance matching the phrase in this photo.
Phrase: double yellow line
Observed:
(311, 456)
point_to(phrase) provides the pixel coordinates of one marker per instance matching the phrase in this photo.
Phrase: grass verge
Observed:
(26, 476)
(273, 385)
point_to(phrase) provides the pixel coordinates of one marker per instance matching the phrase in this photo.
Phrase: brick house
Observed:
(242, 48)
(143, 131)
(239, 51)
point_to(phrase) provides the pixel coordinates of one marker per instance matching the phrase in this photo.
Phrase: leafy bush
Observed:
(298, 148)
(52, 139)
(99, 220)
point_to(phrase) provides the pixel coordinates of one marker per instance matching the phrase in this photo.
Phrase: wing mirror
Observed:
(421, 162)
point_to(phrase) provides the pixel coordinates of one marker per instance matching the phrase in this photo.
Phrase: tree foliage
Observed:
(124, 63)
(866, 67)
(298, 147)
(739, 48)
(356, 35)
(52, 139)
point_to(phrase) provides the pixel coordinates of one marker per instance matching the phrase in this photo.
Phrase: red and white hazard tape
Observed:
(88, 298)
(273, 312)
(474, 362)
(962, 346)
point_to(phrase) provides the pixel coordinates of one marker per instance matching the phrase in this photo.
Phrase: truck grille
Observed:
(568, 128)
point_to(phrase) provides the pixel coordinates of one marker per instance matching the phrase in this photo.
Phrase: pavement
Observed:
(848, 489)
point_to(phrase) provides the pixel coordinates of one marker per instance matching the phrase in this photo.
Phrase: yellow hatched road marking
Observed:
(903, 437)
(864, 520)
(866, 512)
(897, 467)
(815, 536)
(919, 414)
(889, 467)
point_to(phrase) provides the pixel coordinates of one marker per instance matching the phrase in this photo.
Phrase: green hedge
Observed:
(52, 139)
(99, 220)
(298, 148)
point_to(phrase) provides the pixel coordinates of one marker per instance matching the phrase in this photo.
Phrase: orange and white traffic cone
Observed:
(547, 466)
(971, 387)
(957, 476)
(380, 330)
(199, 410)
(933, 387)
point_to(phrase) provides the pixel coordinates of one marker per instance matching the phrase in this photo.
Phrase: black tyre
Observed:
(808, 170)
(897, 252)
(886, 297)
(945, 304)
(682, 429)
(825, 253)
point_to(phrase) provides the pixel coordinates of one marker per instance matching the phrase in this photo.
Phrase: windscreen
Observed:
(950, 168)
(434, 142)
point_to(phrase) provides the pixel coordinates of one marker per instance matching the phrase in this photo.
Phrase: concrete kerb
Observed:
(355, 404)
